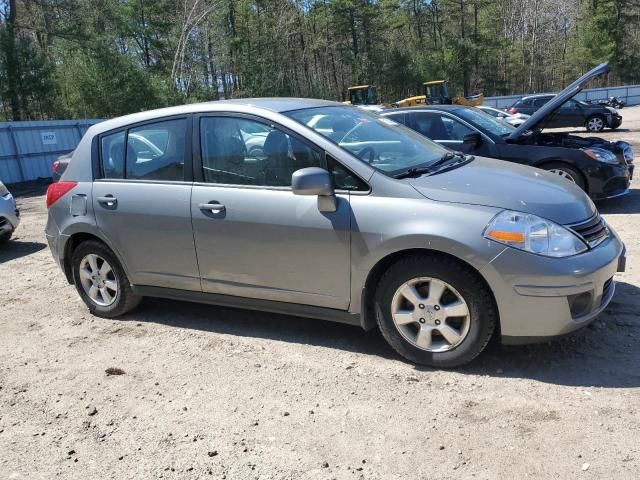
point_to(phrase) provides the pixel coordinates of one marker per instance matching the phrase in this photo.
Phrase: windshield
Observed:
(382, 143)
(486, 121)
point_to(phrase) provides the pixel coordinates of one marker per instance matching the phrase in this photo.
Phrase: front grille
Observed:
(594, 231)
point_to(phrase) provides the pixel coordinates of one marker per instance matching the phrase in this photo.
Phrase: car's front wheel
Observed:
(595, 123)
(435, 311)
(101, 280)
(567, 172)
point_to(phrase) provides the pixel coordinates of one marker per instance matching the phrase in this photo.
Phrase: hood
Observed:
(495, 183)
(556, 102)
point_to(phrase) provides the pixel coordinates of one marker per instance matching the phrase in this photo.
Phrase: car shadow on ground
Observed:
(629, 203)
(604, 354)
(14, 249)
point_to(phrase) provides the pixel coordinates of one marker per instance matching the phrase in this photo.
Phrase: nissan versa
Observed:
(332, 212)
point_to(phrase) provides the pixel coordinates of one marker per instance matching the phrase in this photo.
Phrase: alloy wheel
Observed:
(595, 124)
(98, 280)
(563, 174)
(430, 314)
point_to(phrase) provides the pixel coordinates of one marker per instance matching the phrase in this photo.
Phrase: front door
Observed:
(143, 204)
(445, 130)
(254, 237)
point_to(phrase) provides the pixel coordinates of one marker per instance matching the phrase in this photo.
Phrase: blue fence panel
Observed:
(28, 149)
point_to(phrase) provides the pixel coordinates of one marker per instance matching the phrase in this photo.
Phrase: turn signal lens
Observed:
(57, 190)
(509, 237)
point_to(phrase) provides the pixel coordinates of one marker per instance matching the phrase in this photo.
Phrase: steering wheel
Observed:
(367, 150)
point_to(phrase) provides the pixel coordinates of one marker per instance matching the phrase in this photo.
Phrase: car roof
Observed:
(248, 105)
(538, 95)
(444, 108)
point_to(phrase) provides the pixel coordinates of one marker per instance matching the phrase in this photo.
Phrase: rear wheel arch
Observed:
(367, 307)
(74, 241)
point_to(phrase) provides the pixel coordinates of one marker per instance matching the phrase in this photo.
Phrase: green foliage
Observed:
(102, 58)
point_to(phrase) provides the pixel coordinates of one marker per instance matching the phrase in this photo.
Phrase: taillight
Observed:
(57, 190)
(56, 165)
(512, 110)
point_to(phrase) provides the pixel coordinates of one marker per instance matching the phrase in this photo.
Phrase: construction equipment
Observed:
(362, 95)
(436, 92)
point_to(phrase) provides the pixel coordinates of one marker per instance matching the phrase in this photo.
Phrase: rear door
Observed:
(254, 237)
(142, 201)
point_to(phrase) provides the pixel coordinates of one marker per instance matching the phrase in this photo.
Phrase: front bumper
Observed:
(9, 215)
(614, 121)
(608, 180)
(540, 298)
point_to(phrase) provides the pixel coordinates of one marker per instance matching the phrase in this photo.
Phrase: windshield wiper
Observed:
(417, 171)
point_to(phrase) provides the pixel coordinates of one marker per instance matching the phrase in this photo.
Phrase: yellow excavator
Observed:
(362, 95)
(436, 92)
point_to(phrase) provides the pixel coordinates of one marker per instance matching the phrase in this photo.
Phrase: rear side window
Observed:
(148, 152)
(112, 155)
(540, 101)
(156, 151)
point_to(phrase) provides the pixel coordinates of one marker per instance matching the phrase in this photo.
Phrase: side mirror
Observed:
(315, 181)
(472, 140)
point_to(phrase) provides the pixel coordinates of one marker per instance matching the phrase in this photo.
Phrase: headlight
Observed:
(628, 153)
(3, 190)
(601, 155)
(531, 233)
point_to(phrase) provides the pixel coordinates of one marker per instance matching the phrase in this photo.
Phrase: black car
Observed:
(603, 169)
(574, 113)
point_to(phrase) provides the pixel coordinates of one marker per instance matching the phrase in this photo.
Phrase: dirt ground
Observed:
(230, 394)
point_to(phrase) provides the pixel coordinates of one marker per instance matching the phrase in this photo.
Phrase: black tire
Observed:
(5, 237)
(595, 127)
(482, 310)
(125, 299)
(574, 173)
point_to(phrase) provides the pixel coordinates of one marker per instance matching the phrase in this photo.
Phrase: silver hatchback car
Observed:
(317, 209)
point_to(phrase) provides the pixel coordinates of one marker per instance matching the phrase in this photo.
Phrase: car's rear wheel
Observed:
(595, 123)
(101, 281)
(567, 172)
(435, 311)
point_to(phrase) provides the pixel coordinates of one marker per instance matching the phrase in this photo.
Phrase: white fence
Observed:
(630, 95)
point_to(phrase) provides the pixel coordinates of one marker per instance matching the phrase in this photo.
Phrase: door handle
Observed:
(108, 201)
(212, 207)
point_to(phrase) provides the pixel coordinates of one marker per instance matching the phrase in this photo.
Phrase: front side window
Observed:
(381, 142)
(156, 151)
(440, 127)
(112, 153)
(242, 151)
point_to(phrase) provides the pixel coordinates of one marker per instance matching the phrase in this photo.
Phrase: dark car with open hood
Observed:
(601, 168)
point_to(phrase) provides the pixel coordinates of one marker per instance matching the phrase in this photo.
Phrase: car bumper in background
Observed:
(615, 121)
(609, 181)
(9, 215)
(540, 298)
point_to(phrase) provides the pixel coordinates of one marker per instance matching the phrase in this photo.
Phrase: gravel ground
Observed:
(204, 392)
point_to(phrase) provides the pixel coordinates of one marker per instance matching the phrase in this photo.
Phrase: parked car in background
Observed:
(572, 113)
(344, 215)
(9, 214)
(615, 102)
(601, 168)
(515, 119)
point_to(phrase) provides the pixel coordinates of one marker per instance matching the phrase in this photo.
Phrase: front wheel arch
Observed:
(558, 162)
(367, 305)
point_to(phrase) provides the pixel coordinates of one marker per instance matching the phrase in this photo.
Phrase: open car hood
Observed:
(556, 102)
